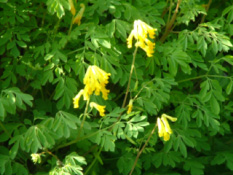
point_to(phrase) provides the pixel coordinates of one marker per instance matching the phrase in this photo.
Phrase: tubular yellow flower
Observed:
(130, 106)
(173, 119)
(77, 98)
(140, 33)
(78, 17)
(99, 108)
(164, 129)
(72, 8)
(95, 80)
(36, 158)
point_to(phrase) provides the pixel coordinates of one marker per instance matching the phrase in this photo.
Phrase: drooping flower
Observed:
(78, 17)
(98, 107)
(36, 158)
(130, 106)
(77, 98)
(164, 129)
(95, 81)
(140, 32)
(72, 8)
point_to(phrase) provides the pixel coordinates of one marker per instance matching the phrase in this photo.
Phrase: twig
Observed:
(130, 76)
(207, 8)
(93, 162)
(140, 152)
(82, 138)
(71, 25)
(50, 153)
(169, 25)
(84, 118)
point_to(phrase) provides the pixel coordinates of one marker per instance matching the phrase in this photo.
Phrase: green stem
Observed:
(71, 25)
(56, 29)
(82, 138)
(130, 76)
(84, 118)
(136, 96)
(171, 22)
(207, 8)
(140, 152)
(193, 78)
(50, 153)
(201, 76)
(93, 162)
(169, 14)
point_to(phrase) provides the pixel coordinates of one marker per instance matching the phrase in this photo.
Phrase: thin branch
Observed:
(50, 153)
(93, 162)
(202, 76)
(82, 138)
(207, 8)
(130, 76)
(140, 152)
(84, 118)
(170, 24)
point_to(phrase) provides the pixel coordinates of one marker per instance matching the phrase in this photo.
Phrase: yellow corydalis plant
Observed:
(72, 8)
(78, 17)
(140, 32)
(95, 81)
(164, 129)
(99, 108)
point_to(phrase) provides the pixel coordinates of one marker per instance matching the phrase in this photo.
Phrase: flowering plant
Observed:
(116, 87)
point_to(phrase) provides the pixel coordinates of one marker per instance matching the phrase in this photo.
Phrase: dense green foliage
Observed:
(44, 58)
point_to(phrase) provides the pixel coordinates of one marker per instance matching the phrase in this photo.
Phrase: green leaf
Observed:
(183, 149)
(64, 122)
(120, 27)
(125, 163)
(2, 110)
(227, 10)
(229, 87)
(111, 28)
(105, 43)
(214, 105)
(21, 44)
(194, 166)
(229, 59)
(14, 150)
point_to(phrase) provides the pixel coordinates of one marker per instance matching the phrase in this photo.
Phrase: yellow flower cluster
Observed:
(95, 81)
(164, 127)
(78, 17)
(140, 32)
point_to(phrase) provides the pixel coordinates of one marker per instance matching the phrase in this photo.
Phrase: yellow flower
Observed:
(36, 158)
(78, 17)
(164, 129)
(77, 98)
(72, 8)
(99, 108)
(130, 106)
(140, 33)
(95, 80)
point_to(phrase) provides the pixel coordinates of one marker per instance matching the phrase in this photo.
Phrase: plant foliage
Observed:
(45, 54)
